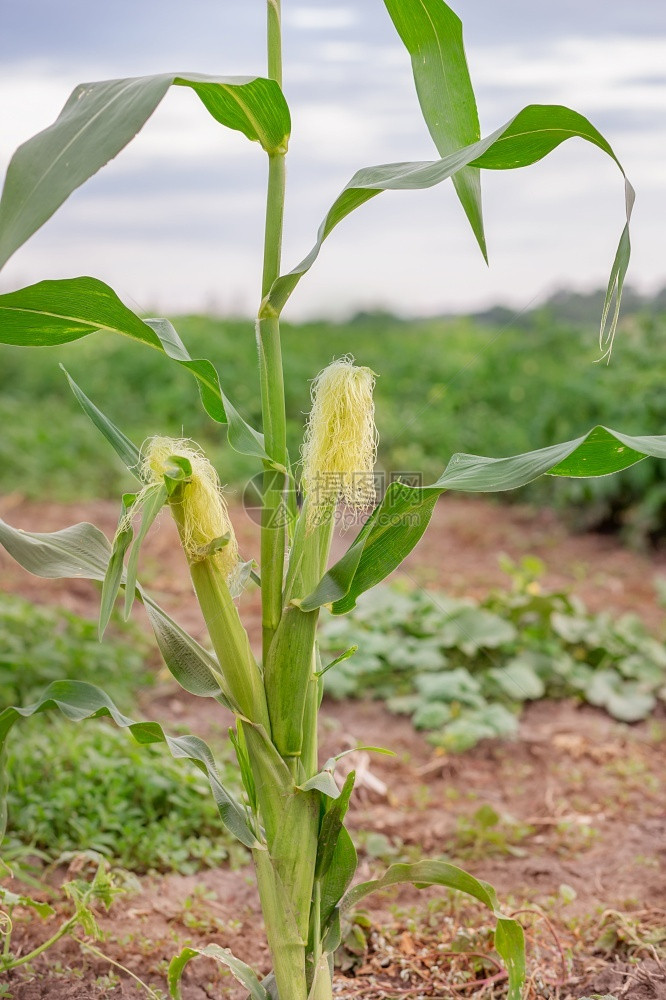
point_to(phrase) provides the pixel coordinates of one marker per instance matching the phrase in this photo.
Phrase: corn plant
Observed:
(292, 816)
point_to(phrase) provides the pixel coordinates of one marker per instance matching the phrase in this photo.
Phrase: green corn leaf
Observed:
(239, 970)
(237, 738)
(533, 133)
(397, 524)
(242, 437)
(288, 667)
(83, 551)
(332, 936)
(600, 452)
(78, 700)
(195, 669)
(116, 568)
(59, 312)
(509, 938)
(335, 883)
(151, 504)
(339, 659)
(432, 34)
(324, 782)
(126, 450)
(270, 986)
(100, 119)
(321, 981)
(387, 537)
(203, 370)
(331, 826)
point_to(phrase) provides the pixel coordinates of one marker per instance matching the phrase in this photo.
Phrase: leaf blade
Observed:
(115, 572)
(399, 521)
(99, 119)
(239, 970)
(193, 667)
(51, 313)
(152, 504)
(432, 34)
(78, 700)
(336, 881)
(509, 938)
(526, 138)
(121, 444)
(331, 826)
(80, 551)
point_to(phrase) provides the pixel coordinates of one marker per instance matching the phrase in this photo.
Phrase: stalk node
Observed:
(267, 310)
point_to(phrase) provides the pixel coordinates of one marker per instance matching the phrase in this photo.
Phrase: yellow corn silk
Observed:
(202, 513)
(340, 445)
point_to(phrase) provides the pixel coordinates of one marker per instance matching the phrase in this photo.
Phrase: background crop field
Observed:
(494, 385)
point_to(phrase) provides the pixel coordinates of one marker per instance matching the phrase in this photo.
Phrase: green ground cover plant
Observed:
(38, 644)
(131, 804)
(463, 670)
(292, 814)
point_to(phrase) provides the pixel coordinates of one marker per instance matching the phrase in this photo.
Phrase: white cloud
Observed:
(181, 131)
(344, 52)
(602, 61)
(615, 72)
(335, 133)
(320, 18)
(31, 97)
(181, 244)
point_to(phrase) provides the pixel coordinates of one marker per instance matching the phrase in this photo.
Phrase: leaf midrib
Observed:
(261, 135)
(441, 52)
(82, 322)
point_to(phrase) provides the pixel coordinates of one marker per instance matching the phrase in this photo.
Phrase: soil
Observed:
(579, 840)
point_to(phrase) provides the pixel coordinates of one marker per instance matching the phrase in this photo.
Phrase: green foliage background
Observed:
(40, 644)
(496, 385)
(92, 787)
(134, 804)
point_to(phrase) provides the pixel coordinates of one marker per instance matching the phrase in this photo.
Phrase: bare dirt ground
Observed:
(580, 843)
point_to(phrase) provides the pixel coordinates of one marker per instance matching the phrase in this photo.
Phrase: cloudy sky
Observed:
(175, 223)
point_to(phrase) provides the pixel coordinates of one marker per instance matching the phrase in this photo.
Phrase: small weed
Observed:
(486, 834)
(196, 913)
(646, 861)
(575, 837)
(98, 885)
(108, 981)
(422, 796)
(355, 939)
(629, 934)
